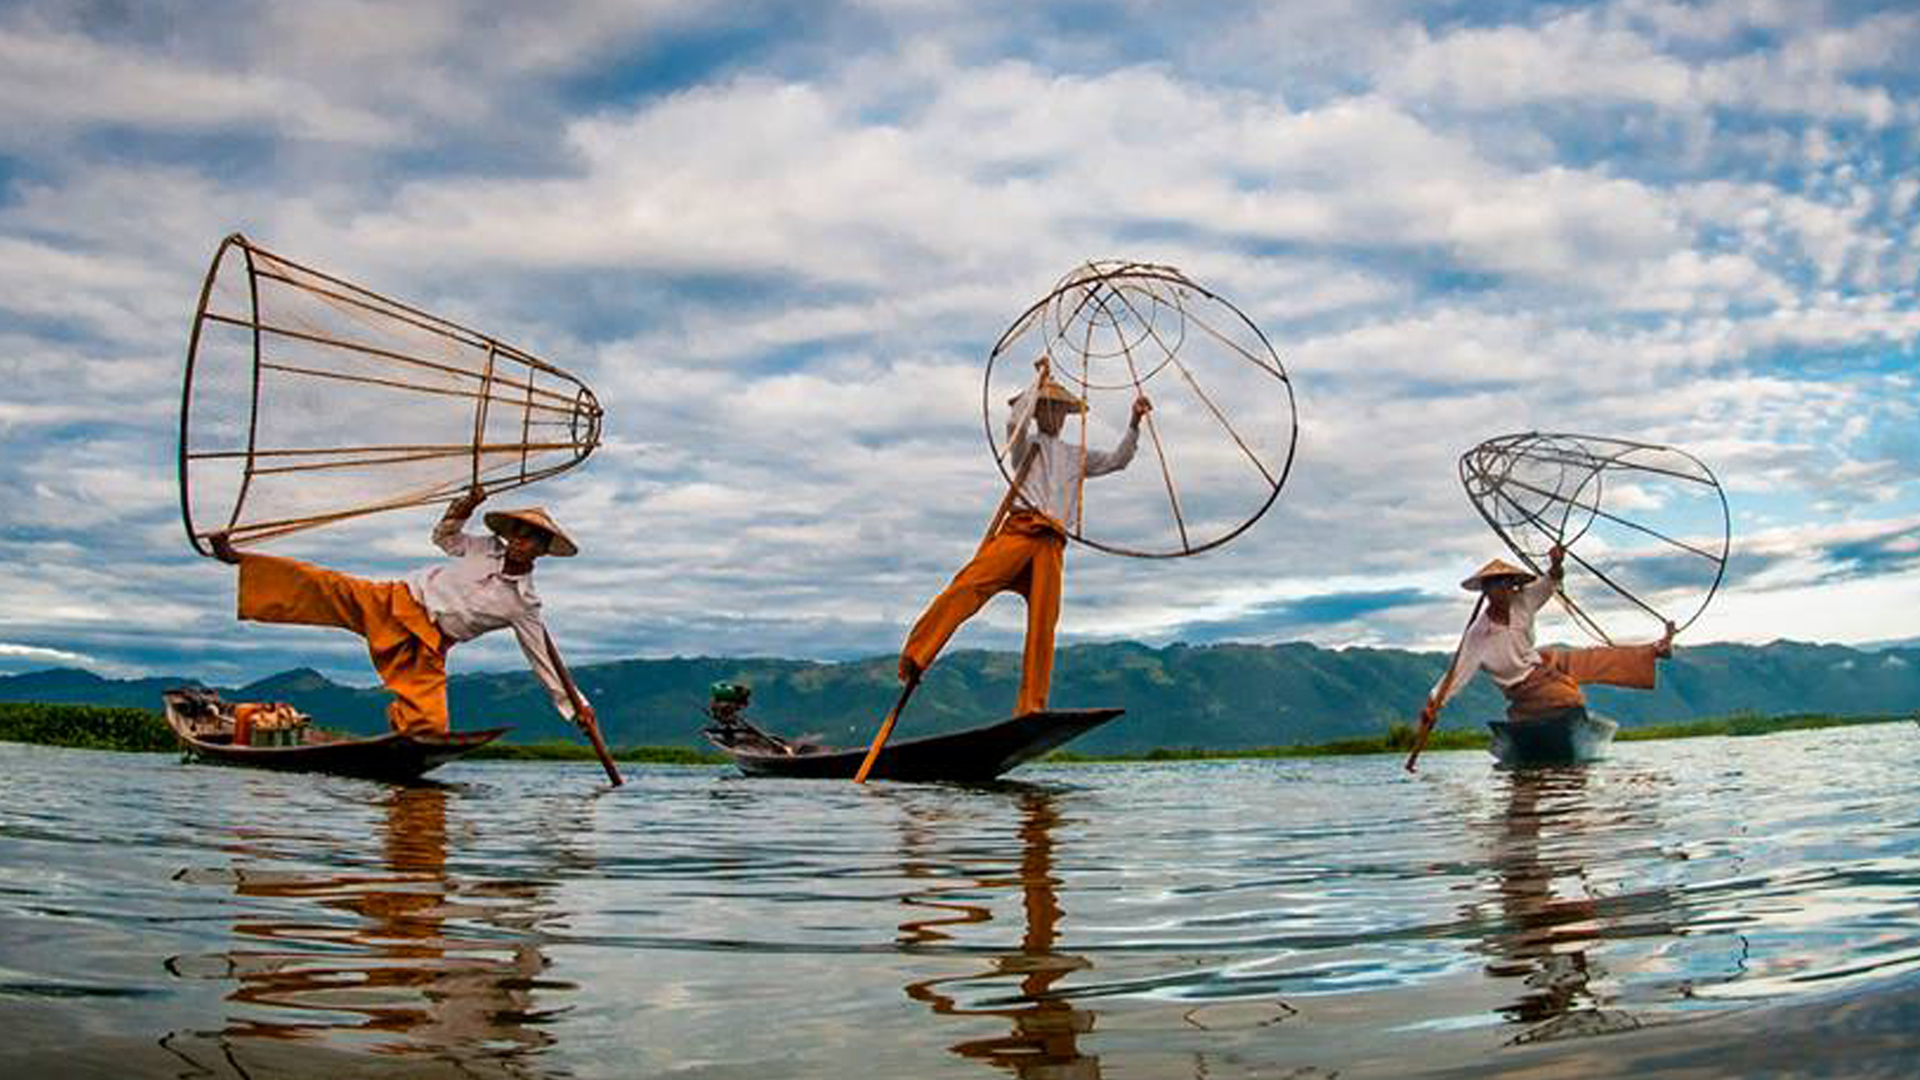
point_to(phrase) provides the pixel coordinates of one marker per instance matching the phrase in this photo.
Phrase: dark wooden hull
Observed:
(974, 755)
(1570, 737)
(393, 756)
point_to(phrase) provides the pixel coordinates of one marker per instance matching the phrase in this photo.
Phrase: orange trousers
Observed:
(407, 649)
(1025, 556)
(1555, 683)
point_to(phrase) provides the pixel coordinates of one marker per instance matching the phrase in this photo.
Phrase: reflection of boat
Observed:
(975, 754)
(205, 731)
(1567, 737)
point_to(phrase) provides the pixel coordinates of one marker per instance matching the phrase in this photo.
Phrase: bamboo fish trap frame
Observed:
(309, 400)
(1645, 527)
(1218, 446)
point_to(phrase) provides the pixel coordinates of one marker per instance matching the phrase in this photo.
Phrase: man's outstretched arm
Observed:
(447, 533)
(1100, 463)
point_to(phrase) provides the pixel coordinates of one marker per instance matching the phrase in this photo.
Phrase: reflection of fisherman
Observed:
(458, 997)
(1543, 938)
(1025, 554)
(410, 625)
(1044, 1041)
(1537, 682)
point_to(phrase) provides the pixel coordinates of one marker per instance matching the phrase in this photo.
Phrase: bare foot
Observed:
(223, 548)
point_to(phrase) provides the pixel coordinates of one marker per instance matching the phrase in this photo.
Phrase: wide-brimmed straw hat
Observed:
(1053, 391)
(560, 544)
(1498, 568)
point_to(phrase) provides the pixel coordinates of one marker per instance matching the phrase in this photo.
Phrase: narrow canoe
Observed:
(1567, 737)
(970, 756)
(392, 756)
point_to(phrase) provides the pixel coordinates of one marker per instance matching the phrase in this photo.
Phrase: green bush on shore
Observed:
(555, 750)
(88, 727)
(1397, 740)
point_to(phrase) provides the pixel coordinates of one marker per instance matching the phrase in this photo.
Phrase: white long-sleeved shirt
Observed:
(1052, 485)
(1504, 651)
(474, 594)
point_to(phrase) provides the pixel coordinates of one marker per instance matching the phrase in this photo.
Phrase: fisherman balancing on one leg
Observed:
(410, 625)
(1025, 552)
(1537, 682)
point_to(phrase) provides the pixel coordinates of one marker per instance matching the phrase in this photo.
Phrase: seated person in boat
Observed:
(1537, 682)
(410, 625)
(1025, 554)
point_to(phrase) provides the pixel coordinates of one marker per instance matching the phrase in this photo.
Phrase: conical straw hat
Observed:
(1053, 391)
(562, 545)
(1498, 568)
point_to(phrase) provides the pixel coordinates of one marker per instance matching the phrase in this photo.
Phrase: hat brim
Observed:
(1479, 581)
(1072, 405)
(558, 543)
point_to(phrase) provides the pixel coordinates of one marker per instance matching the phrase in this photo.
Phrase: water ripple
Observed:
(519, 920)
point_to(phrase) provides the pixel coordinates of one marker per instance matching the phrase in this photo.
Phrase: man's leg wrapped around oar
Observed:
(1025, 555)
(406, 648)
(1555, 683)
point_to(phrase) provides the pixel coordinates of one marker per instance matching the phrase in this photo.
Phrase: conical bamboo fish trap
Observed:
(309, 400)
(1218, 446)
(1645, 528)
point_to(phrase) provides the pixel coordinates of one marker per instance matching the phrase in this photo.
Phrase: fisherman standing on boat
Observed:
(410, 625)
(1026, 553)
(1537, 682)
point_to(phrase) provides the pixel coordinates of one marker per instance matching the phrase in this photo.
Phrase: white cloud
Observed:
(782, 267)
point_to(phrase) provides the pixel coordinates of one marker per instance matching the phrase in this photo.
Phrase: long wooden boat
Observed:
(970, 756)
(1568, 737)
(205, 732)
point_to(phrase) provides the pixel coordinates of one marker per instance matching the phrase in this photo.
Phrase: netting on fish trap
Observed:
(309, 400)
(1216, 449)
(1645, 527)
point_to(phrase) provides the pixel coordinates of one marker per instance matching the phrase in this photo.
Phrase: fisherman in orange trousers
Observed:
(1536, 682)
(410, 625)
(1026, 553)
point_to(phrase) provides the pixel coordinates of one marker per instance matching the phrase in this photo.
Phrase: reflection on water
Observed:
(404, 960)
(1226, 919)
(1548, 918)
(1045, 1030)
(1555, 923)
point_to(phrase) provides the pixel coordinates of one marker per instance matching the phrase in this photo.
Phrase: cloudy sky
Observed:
(779, 241)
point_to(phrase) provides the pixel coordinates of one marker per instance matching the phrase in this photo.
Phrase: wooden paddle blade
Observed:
(886, 729)
(1420, 740)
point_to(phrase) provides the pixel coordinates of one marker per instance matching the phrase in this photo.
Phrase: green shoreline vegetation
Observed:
(94, 727)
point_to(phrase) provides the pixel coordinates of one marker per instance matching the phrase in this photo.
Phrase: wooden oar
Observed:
(886, 729)
(591, 727)
(1428, 720)
(999, 518)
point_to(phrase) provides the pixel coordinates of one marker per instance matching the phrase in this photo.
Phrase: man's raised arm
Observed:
(1100, 463)
(448, 534)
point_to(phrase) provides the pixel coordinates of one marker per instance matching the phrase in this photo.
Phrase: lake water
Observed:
(1696, 907)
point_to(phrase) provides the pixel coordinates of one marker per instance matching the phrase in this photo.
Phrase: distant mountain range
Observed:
(1214, 696)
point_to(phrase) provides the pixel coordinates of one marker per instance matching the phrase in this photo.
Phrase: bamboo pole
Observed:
(886, 729)
(581, 710)
(1429, 719)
